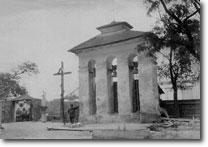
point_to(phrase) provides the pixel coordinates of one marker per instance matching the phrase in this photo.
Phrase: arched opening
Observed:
(23, 111)
(92, 87)
(134, 83)
(112, 84)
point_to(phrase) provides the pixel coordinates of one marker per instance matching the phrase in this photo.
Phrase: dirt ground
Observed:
(38, 130)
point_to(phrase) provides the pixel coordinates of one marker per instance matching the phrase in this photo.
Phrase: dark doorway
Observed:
(135, 96)
(115, 97)
(92, 87)
(112, 84)
(134, 83)
(23, 111)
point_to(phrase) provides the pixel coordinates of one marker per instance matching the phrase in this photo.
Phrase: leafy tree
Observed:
(182, 18)
(176, 37)
(9, 82)
(28, 68)
(178, 68)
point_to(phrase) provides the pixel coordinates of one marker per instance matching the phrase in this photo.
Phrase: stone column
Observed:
(148, 88)
(83, 92)
(124, 98)
(43, 108)
(102, 101)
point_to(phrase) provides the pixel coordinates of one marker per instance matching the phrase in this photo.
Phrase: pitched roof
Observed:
(112, 33)
(114, 23)
(102, 40)
(24, 97)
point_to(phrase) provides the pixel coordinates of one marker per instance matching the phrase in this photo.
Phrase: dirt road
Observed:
(38, 130)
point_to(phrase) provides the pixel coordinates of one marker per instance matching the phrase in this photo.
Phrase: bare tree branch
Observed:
(170, 13)
(197, 1)
(190, 15)
(197, 8)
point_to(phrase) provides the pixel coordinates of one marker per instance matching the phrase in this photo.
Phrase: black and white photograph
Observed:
(100, 70)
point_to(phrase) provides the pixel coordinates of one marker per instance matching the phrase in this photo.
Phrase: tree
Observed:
(179, 70)
(28, 68)
(183, 18)
(9, 82)
(176, 36)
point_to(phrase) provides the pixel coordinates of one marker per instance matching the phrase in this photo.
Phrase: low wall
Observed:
(7, 111)
(36, 110)
(187, 108)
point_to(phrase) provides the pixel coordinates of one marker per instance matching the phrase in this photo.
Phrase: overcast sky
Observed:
(42, 31)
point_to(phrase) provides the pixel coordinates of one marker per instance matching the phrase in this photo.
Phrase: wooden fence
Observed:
(187, 108)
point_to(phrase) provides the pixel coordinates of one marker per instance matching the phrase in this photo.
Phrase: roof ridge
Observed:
(102, 40)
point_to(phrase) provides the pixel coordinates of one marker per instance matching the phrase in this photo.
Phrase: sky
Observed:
(42, 31)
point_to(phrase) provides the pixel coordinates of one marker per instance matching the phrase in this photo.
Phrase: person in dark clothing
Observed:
(24, 115)
(77, 114)
(72, 111)
(71, 114)
(18, 115)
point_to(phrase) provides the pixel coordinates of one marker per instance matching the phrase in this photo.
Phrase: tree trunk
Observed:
(176, 105)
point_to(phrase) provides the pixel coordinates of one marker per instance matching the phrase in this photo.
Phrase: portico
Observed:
(117, 83)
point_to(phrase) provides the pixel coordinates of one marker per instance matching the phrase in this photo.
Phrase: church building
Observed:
(117, 81)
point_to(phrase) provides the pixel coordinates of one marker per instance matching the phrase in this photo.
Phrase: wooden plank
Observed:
(67, 129)
(180, 120)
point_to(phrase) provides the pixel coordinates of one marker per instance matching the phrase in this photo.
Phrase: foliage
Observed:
(177, 37)
(9, 85)
(178, 68)
(25, 68)
(179, 23)
(9, 82)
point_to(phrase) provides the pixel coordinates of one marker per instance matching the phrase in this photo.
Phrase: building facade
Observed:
(117, 83)
(190, 92)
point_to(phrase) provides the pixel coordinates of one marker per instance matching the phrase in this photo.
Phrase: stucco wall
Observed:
(147, 79)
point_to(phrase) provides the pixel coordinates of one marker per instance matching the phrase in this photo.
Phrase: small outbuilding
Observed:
(22, 108)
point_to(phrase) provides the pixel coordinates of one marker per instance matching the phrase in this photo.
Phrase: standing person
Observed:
(71, 113)
(24, 114)
(76, 108)
(18, 115)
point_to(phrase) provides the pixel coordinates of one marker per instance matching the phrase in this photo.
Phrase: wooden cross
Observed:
(62, 73)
